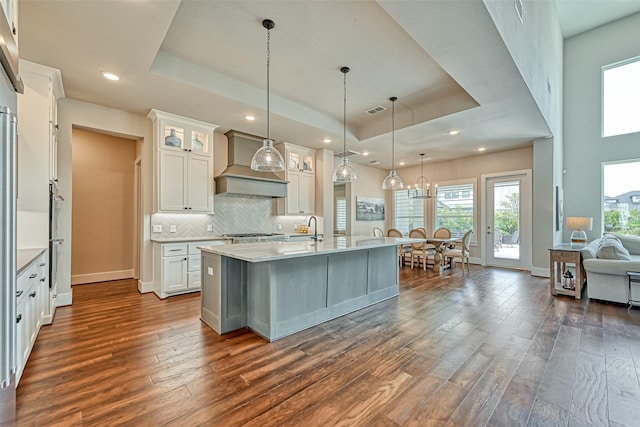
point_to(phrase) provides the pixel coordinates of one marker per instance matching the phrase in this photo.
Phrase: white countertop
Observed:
(270, 251)
(25, 256)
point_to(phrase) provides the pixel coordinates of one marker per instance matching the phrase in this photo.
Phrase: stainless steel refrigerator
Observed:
(8, 197)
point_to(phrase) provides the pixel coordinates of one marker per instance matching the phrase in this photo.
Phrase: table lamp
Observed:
(579, 224)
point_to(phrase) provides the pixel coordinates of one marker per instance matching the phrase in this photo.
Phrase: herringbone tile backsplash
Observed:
(232, 215)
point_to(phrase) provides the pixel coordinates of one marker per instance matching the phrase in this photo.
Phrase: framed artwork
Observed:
(369, 208)
(559, 215)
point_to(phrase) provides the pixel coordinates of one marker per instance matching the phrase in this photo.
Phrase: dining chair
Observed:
(404, 249)
(460, 250)
(377, 232)
(424, 230)
(442, 233)
(421, 250)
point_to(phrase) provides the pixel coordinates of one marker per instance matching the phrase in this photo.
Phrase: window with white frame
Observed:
(621, 97)
(455, 207)
(621, 198)
(408, 212)
(341, 215)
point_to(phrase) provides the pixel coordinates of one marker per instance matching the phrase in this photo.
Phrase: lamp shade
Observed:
(581, 223)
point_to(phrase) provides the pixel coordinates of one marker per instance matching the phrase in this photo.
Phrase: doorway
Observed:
(104, 224)
(508, 220)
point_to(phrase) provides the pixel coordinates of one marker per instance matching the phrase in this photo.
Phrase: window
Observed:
(621, 198)
(621, 98)
(341, 215)
(409, 213)
(455, 208)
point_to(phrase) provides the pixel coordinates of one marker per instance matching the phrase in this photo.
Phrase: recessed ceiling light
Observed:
(365, 153)
(454, 132)
(250, 117)
(109, 75)
(326, 140)
(401, 163)
(481, 149)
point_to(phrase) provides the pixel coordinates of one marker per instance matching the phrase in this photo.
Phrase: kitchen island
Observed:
(279, 288)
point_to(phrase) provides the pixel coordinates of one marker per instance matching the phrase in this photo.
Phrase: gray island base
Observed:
(280, 288)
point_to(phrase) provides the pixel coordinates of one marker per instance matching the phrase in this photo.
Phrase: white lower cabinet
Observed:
(177, 267)
(32, 299)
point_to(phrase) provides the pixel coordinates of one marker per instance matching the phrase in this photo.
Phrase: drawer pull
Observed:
(42, 264)
(175, 250)
(43, 279)
(32, 294)
(19, 294)
(19, 318)
(33, 276)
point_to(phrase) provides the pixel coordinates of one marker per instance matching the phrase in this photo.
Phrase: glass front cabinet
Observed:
(300, 172)
(183, 164)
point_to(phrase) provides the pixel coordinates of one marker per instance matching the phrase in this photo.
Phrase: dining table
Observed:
(440, 246)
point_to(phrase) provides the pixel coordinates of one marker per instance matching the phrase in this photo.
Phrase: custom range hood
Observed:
(238, 178)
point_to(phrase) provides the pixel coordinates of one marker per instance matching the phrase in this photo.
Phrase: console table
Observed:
(561, 255)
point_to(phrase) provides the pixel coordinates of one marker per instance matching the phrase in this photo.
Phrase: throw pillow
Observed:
(631, 243)
(613, 250)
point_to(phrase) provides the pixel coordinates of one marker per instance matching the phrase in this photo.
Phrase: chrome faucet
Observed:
(315, 227)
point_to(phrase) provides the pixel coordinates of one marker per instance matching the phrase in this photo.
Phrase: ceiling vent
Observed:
(347, 153)
(376, 110)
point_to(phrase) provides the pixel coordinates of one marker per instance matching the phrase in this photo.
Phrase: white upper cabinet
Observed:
(183, 163)
(300, 172)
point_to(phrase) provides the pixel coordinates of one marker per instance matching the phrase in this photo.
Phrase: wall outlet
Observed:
(172, 228)
(209, 227)
(210, 271)
(279, 226)
(157, 228)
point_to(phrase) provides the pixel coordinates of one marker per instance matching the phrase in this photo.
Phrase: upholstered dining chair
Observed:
(421, 250)
(442, 233)
(404, 249)
(377, 232)
(460, 250)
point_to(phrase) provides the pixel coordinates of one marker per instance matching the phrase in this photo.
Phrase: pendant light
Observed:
(393, 181)
(344, 172)
(267, 158)
(423, 187)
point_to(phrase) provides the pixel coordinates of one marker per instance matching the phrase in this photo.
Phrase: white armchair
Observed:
(459, 250)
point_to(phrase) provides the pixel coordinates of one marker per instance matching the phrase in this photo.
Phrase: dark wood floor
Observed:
(486, 348)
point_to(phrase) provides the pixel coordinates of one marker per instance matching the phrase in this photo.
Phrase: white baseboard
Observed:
(145, 287)
(540, 272)
(104, 276)
(64, 299)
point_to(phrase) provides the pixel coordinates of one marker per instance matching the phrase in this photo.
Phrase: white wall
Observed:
(585, 149)
(74, 113)
(536, 46)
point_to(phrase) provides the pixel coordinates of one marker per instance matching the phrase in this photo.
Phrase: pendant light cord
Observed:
(393, 135)
(268, 63)
(344, 121)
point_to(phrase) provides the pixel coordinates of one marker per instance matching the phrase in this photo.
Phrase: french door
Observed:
(508, 220)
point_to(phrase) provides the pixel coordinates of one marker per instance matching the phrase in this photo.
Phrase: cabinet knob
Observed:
(32, 294)
(18, 318)
(43, 279)
(185, 259)
(42, 264)
(32, 276)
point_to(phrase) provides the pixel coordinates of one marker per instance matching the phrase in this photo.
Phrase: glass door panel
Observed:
(173, 137)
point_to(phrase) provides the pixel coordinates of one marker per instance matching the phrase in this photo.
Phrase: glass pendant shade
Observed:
(344, 172)
(392, 182)
(267, 158)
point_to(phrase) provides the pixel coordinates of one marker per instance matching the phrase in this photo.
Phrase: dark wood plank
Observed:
(490, 347)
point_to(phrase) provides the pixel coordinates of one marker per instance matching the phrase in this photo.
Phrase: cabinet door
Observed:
(195, 279)
(200, 143)
(293, 193)
(199, 184)
(22, 335)
(174, 274)
(33, 311)
(173, 170)
(307, 193)
(172, 136)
